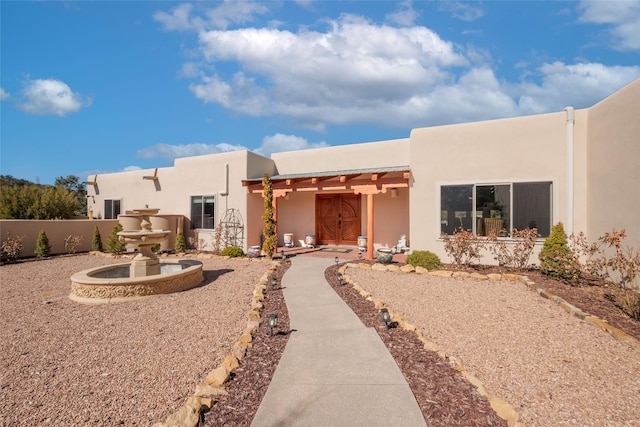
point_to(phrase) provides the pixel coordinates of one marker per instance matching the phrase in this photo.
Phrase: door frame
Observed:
(338, 198)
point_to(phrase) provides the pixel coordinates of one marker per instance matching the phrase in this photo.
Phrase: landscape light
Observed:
(385, 316)
(274, 282)
(359, 255)
(273, 323)
(283, 255)
(336, 260)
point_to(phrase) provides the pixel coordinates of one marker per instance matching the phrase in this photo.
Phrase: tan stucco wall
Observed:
(344, 157)
(519, 149)
(614, 165)
(190, 176)
(525, 149)
(57, 231)
(296, 215)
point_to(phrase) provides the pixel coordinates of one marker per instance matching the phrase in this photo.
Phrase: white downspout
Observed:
(226, 180)
(226, 186)
(568, 226)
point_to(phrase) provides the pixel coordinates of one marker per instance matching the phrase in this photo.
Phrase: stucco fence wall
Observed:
(57, 231)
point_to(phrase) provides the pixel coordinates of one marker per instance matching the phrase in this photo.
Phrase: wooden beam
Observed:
(153, 177)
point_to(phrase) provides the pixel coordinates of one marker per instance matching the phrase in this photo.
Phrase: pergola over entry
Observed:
(370, 181)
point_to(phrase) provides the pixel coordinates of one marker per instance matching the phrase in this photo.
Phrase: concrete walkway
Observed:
(334, 371)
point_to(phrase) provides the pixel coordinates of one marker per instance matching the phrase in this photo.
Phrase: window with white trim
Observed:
(486, 209)
(111, 208)
(202, 212)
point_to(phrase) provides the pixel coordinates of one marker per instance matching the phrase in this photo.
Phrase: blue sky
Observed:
(98, 87)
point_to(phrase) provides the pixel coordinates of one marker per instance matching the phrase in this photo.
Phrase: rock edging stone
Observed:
(502, 408)
(189, 414)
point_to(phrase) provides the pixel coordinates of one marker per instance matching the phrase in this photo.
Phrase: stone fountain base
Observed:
(114, 283)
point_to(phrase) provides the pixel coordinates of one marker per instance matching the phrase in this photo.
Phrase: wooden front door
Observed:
(337, 219)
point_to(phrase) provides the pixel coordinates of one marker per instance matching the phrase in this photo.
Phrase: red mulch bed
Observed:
(248, 383)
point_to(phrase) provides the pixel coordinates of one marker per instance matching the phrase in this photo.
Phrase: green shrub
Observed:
(155, 248)
(233, 251)
(556, 257)
(425, 259)
(96, 243)
(181, 244)
(113, 241)
(43, 248)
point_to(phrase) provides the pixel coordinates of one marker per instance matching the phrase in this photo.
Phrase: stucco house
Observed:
(579, 167)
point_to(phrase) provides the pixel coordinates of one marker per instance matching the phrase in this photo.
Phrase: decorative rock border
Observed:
(502, 408)
(188, 415)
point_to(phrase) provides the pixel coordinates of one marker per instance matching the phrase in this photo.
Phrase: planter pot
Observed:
(362, 243)
(288, 240)
(384, 256)
(254, 251)
(310, 240)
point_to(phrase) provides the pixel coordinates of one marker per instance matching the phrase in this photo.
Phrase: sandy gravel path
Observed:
(133, 363)
(555, 369)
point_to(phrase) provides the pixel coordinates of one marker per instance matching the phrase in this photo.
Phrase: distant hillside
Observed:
(9, 181)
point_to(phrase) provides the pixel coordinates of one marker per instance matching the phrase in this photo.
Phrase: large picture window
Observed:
(111, 208)
(487, 209)
(202, 212)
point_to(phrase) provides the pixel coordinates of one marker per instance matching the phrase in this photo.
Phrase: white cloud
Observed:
(405, 15)
(580, 85)
(338, 76)
(222, 16)
(131, 168)
(270, 144)
(354, 71)
(279, 142)
(50, 96)
(4, 95)
(171, 152)
(177, 20)
(623, 18)
(465, 11)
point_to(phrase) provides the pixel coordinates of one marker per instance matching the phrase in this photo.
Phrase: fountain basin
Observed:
(113, 283)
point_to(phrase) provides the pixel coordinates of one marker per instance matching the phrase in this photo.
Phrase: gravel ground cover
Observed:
(132, 363)
(555, 369)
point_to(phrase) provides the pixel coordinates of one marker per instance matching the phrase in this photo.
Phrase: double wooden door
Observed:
(338, 219)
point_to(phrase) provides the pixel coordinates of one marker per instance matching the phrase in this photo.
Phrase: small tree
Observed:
(96, 243)
(556, 257)
(270, 243)
(181, 244)
(113, 241)
(43, 248)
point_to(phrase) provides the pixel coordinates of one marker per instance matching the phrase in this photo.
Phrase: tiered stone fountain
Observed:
(144, 276)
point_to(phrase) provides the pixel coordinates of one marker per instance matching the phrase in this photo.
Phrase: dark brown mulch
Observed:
(444, 396)
(250, 381)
